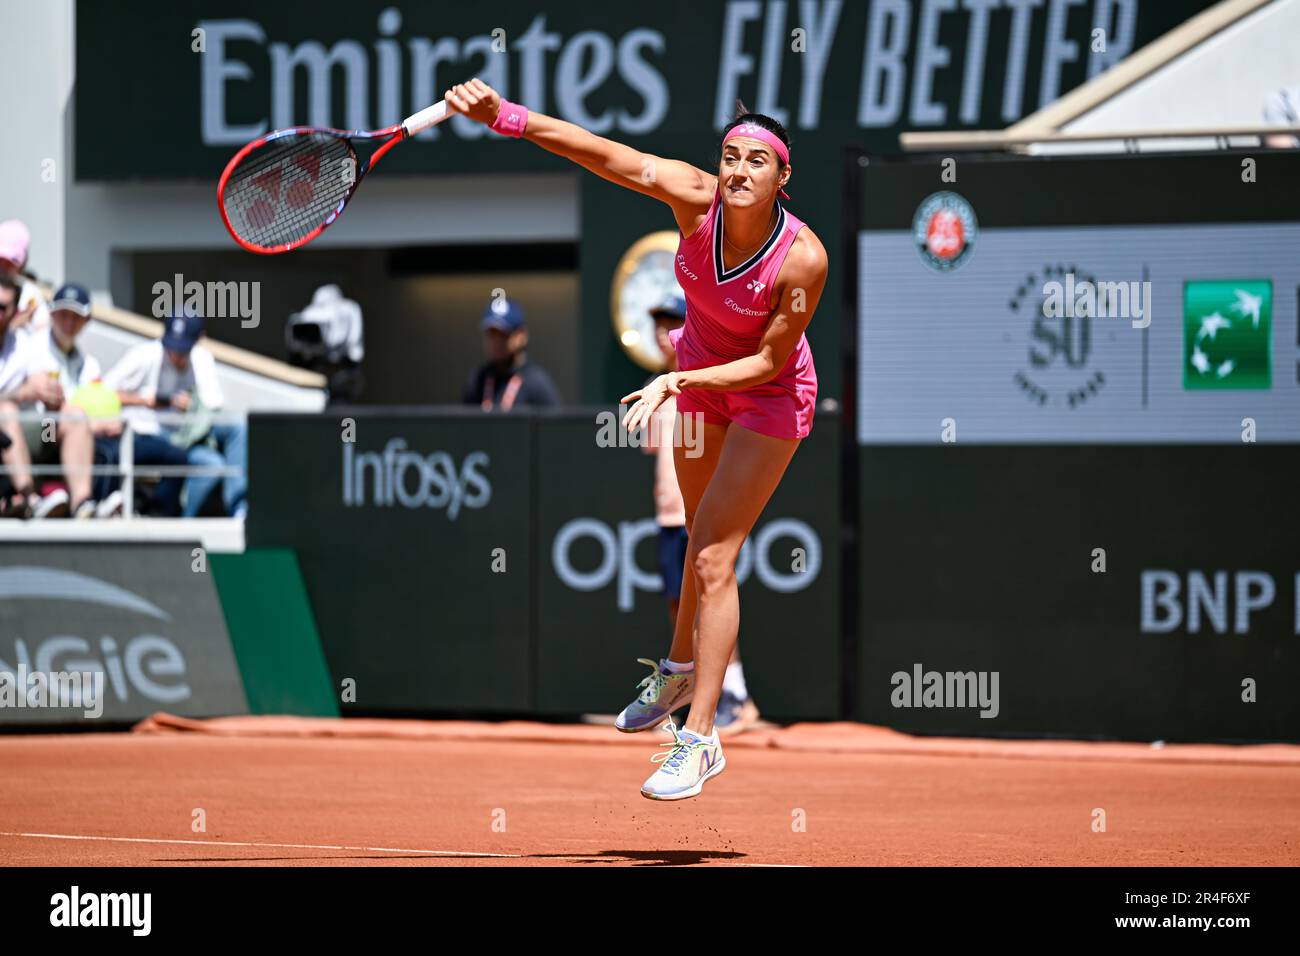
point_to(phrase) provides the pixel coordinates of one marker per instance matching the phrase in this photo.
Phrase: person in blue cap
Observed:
(178, 374)
(507, 379)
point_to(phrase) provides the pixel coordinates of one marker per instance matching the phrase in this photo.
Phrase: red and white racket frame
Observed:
(413, 124)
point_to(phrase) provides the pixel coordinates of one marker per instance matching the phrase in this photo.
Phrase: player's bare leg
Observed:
(693, 476)
(750, 468)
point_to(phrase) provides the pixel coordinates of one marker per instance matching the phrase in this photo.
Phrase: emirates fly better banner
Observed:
(225, 71)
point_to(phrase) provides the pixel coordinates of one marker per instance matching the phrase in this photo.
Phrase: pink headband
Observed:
(754, 131)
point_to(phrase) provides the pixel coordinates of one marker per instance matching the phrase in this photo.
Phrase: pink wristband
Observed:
(512, 119)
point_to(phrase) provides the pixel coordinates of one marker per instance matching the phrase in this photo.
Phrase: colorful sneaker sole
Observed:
(651, 723)
(689, 792)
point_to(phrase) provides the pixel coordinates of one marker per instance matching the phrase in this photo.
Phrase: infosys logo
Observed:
(400, 476)
(147, 664)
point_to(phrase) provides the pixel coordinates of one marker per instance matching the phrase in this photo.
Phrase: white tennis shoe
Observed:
(688, 761)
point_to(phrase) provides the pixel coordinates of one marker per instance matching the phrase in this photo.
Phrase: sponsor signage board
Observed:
(132, 624)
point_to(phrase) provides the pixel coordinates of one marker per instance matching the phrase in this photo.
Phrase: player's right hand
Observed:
(475, 99)
(646, 401)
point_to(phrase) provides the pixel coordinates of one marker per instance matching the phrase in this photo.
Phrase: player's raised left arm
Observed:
(802, 280)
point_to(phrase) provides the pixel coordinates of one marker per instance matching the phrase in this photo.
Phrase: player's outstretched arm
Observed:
(676, 183)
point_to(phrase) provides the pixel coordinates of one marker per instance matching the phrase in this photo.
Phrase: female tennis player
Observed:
(753, 275)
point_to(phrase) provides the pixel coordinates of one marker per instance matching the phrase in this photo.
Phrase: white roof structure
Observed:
(1203, 84)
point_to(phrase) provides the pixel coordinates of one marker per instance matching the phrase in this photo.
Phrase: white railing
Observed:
(127, 468)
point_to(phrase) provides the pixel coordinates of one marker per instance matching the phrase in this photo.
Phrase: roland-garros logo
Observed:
(944, 230)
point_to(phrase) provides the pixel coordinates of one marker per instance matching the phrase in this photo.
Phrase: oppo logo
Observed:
(407, 478)
(776, 568)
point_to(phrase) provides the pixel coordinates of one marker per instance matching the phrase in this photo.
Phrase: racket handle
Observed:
(422, 120)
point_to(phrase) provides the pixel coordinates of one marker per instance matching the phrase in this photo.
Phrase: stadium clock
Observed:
(643, 277)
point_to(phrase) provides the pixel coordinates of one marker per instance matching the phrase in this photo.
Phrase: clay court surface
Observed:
(285, 791)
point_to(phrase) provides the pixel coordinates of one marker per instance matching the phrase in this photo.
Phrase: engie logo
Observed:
(618, 557)
(147, 664)
(412, 480)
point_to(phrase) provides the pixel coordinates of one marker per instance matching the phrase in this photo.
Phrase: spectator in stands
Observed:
(52, 367)
(15, 241)
(18, 498)
(1283, 107)
(179, 374)
(507, 378)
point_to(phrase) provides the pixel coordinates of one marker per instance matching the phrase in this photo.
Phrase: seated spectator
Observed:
(51, 367)
(507, 378)
(1282, 108)
(179, 374)
(15, 242)
(17, 499)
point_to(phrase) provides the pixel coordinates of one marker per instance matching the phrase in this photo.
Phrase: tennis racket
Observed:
(284, 189)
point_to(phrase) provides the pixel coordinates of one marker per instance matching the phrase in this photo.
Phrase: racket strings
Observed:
(289, 188)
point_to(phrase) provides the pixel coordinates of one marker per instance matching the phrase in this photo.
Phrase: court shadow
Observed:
(642, 857)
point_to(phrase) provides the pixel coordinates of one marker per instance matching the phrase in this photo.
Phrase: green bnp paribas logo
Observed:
(1227, 328)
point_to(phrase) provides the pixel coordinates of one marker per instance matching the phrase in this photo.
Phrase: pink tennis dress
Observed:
(727, 313)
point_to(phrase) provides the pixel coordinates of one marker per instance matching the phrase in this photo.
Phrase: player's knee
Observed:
(714, 566)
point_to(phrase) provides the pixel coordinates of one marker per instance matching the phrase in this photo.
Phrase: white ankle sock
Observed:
(676, 668)
(734, 680)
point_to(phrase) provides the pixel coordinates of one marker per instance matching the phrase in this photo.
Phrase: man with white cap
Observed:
(53, 366)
